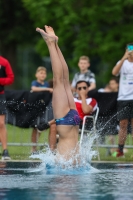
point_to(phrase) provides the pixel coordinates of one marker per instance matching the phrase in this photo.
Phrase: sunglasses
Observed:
(80, 88)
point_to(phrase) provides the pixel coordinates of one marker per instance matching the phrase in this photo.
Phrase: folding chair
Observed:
(94, 119)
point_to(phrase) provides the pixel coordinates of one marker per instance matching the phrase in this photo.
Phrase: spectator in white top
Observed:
(124, 68)
(84, 74)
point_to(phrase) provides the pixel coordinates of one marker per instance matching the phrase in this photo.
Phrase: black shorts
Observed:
(124, 110)
(2, 104)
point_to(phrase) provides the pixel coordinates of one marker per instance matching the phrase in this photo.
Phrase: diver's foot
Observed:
(47, 37)
(50, 31)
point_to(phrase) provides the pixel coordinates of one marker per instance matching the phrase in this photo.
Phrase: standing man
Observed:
(6, 78)
(124, 68)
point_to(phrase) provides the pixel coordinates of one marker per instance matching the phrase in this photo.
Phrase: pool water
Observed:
(97, 182)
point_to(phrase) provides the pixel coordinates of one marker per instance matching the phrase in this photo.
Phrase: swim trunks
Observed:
(71, 118)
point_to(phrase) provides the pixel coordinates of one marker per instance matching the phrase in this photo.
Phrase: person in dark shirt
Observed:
(6, 78)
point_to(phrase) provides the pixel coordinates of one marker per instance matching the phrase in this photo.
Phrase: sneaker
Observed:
(118, 153)
(5, 155)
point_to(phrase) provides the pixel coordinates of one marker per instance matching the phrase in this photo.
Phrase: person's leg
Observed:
(123, 113)
(122, 133)
(59, 101)
(67, 86)
(132, 128)
(112, 139)
(3, 138)
(66, 80)
(52, 137)
(34, 138)
(3, 132)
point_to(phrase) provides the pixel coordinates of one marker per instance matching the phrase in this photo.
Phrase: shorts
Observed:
(2, 104)
(71, 118)
(124, 110)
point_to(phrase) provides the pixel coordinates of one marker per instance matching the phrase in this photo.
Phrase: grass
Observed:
(19, 135)
(104, 157)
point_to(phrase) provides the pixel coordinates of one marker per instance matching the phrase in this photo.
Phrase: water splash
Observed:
(54, 163)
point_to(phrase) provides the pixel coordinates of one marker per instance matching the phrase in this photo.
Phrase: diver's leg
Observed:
(60, 101)
(67, 86)
(66, 80)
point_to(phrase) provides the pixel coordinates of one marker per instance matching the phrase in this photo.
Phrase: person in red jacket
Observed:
(84, 104)
(6, 78)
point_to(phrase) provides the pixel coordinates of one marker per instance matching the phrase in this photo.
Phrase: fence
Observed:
(22, 137)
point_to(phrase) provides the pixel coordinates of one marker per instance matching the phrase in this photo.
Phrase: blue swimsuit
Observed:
(71, 118)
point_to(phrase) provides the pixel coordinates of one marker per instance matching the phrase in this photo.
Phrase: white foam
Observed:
(55, 163)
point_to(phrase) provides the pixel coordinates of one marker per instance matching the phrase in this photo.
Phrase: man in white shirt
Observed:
(124, 68)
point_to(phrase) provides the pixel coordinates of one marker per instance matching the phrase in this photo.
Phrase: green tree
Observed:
(99, 29)
(16, 29)
(96, 28)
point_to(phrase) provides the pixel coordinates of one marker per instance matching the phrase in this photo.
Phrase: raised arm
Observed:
(41, 89)
(117, 67)
(87, 109)
(92, 86)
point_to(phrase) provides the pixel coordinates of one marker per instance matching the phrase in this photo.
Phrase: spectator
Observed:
(84, 74)
(6, 78)
(124, 68)
(84, 104)
(114, 84)
(39, 85)
(105, 89)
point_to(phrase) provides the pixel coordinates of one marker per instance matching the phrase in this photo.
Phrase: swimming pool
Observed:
(102, 182)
